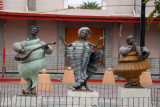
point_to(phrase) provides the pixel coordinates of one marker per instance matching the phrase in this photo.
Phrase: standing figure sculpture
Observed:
(133, 62)
(83, 59)
(35, 61)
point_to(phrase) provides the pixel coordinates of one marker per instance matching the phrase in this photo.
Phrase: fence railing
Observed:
(10, 100)
(56, 89)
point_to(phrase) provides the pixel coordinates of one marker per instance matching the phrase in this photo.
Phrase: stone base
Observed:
(82, 98)
(22, 101)
(133, 97)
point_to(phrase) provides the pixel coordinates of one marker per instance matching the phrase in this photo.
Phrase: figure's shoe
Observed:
(34, 91)
(78, 86)
(86, 86)
(25, 93)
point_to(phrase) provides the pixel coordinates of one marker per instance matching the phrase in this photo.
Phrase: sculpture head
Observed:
(84, 33)
(33, 31)
(130, 40)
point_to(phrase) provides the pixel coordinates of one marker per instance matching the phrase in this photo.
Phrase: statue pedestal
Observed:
(26, 101)
(82, 98)
(133, 97)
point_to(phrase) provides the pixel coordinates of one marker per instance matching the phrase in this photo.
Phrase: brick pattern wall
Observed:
(108, 44)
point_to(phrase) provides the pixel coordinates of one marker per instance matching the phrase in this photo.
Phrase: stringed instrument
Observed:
(23, 55)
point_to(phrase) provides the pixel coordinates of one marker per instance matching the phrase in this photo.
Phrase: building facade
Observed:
(55, 19)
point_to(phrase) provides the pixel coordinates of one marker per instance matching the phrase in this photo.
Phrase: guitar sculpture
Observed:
(23, 55)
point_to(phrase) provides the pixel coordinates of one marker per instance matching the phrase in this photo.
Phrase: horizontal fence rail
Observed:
(9, 100)
(55, 95)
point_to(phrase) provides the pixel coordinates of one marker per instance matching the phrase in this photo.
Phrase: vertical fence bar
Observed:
(42, 102)
(11, 99)
(3, 67)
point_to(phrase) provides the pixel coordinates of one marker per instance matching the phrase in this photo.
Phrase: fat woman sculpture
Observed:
(30, 65)
(133, 63)
(83, 59)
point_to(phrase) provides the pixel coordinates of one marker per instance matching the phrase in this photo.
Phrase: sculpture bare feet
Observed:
(29, 90)
(25, 92)
(34, 91)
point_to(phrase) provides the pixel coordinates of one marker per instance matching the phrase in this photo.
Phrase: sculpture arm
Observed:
(18, 47)
(98, 41)
(62, 39)
(124, 50)
(144, 53)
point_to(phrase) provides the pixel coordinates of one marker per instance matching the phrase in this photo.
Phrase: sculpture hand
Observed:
(61, 38)
(102, 37)
(22, 51)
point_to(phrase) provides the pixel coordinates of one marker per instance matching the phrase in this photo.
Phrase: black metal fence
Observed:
(56, 96)
(9, 100)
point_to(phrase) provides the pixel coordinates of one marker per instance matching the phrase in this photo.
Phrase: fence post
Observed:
(3, 67)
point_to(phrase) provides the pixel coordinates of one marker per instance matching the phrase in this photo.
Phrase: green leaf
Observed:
(145, 1)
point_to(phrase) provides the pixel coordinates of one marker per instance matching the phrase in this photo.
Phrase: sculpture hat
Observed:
(85, 28)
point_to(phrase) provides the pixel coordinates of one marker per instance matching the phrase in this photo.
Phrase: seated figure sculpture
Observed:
(132, 63)
(30, 66)
(83, 59)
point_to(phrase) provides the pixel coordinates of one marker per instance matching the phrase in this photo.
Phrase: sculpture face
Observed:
(83, 34)
(34, 31)
(130, 40)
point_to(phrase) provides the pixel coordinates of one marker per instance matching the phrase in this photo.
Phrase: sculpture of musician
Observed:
(132, 63)
(35, 61)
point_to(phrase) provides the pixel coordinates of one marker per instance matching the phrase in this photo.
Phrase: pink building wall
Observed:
(48, 33)
(119, 6)
(17, 30)
(14, 31)
(49, 5)
(127, 29)
(14, 5)
(152, 39)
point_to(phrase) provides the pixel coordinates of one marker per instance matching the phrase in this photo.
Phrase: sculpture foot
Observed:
(86, 86)
(34, 91)
(130, 85)
(78, 86)
(25, 92)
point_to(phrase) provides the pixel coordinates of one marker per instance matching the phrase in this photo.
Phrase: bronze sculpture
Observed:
(133, 62)
(83, 59)
(35, 61)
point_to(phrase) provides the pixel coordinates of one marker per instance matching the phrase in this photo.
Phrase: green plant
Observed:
(90, 5)
(155, 12)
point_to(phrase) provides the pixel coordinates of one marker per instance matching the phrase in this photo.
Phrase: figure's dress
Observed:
(83, 59)
(130, 67)
(30, 67)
